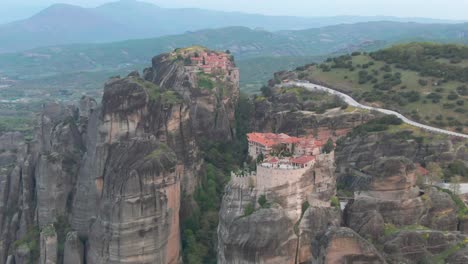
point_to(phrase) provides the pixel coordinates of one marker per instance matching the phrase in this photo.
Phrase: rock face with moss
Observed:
(109, 178)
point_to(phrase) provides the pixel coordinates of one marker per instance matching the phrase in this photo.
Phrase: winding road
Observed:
(350, 101)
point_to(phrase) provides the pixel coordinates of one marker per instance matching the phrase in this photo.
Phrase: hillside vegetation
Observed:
(426, 82)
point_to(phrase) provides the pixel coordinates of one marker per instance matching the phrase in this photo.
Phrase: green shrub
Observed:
(377, 125)
(31, 240)
(452, 96)
(422, 82)
(329, 146)
(462, 90)
(205, 82)
(262, 201)
(335, 202)
(171, 97)
(249, 209)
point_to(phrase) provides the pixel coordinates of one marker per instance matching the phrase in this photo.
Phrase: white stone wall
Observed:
(268, 178)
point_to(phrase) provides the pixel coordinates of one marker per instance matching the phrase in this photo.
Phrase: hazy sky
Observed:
(446, 9)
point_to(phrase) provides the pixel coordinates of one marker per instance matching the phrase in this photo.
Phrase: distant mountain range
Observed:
(129, 19)
(243, 42)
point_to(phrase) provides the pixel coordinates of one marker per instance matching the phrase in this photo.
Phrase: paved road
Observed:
(350, 101)
(463, 187)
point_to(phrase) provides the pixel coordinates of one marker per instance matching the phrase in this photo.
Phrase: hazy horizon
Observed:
(19, 9)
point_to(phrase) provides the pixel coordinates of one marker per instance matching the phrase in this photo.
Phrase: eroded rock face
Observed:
(343, 245)
(114, 173)
(12, 148)
(359, 151)
(388, 208)
(282, 233)
(211, 111)
(266, 236)
(426, 246)
(48, 246)
(138, 217)
(313, 226)
(392, 198)
(73, 249)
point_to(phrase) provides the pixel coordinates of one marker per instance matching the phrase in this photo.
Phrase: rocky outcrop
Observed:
(138, 217)
(392, 198)
(266, 236)
(211, 111)
(284, 113)
(358, 151)
(314, 224)
(343, 245)
(17, 214)
(73, 249)
(425, 246)
(112, 175)
(389, 208)
(48, 253)
(281, 231)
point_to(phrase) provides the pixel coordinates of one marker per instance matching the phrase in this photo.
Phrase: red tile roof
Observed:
(273, 160)
(303, 159)
(271, 139)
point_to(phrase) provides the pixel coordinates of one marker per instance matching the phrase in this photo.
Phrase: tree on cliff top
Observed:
(329, 146)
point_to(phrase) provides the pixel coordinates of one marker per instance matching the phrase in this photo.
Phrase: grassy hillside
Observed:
(427, 82)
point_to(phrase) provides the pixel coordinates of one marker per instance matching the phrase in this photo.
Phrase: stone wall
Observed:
(268, 178)
(244, 181)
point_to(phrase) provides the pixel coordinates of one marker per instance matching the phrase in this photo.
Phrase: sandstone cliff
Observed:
(391, 207)
(107, 179)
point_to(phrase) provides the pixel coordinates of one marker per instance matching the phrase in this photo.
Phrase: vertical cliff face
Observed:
(11, 174)
(107, 179)
(282, 231)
